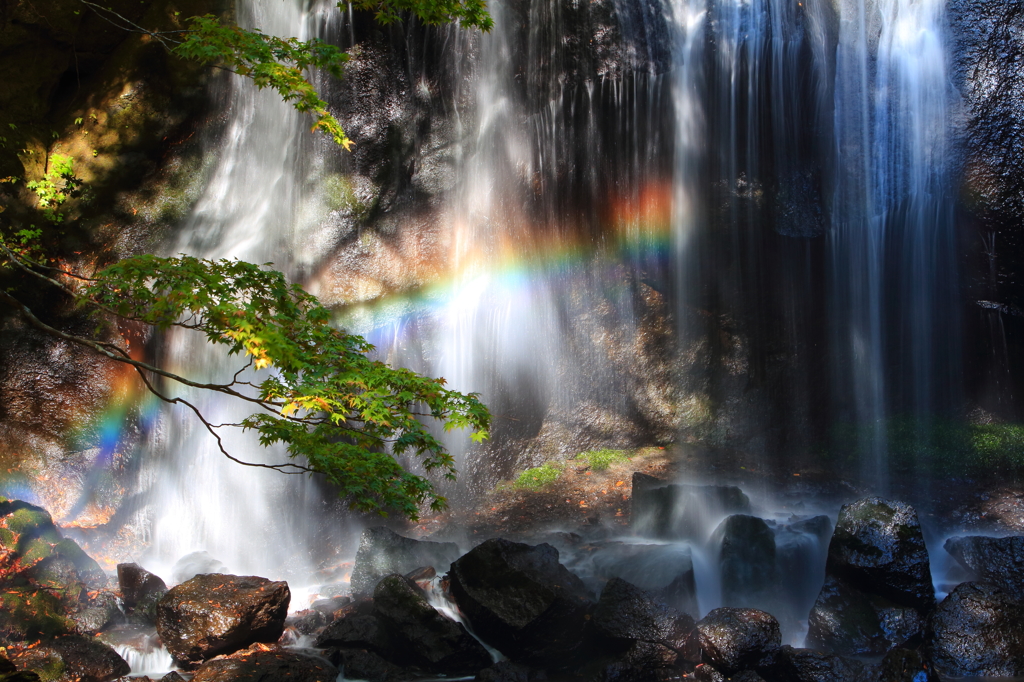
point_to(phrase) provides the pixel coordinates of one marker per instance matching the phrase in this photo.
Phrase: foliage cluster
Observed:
(57, 185)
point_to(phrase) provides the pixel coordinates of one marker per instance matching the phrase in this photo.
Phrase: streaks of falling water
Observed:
(254, 521)
(892, 247)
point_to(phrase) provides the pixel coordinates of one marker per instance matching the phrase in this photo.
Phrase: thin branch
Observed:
(129, 25)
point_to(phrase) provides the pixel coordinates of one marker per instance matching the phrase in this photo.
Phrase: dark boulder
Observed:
(878, 588)
(73, 658)
(9, 673)
(266, 664)
(433, 642)
(847, 621)
(360, 631)
(906, 665)
(634, 662)
(626, 612)
(520, 600)
(733, 639)
(383, 551)
(666, 571)
(747, 560)
(978, 629)
(217, 614)
(665, 510)
(808, 665)
(999, 561)
(360, 664)
(307, 622)
(136, 583)
(878, 547)
(708, 673)
(507, 671)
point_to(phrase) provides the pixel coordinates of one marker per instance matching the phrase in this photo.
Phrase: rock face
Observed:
(999, 561)
(878, 590)
(520, 600)
(733, 639)
(73, 659)
(273, 665)
(978, 629)
(33, 548)
(218, 614)
(679, 511)
(382, 551)
(747, 560)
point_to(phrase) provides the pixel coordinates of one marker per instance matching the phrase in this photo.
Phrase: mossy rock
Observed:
(30, 613)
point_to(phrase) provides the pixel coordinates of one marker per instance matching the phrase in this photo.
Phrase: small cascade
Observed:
(145, 658)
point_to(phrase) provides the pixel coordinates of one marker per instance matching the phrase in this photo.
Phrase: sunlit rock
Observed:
(218, 614)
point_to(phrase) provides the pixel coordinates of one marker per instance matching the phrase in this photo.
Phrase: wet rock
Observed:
(878, 590)
(747, 560)
(746, 676)
(666, 571)
(217, 614)
(383, 551)
(733, 639)
(98, 611)
(307, 622)
(878, 547)
(681, 511)
(195, 563)
(978, 629)
(430, 640)
(136, 584)
(624, 611)
(808, 665)
(708, 673)
(999, 561)
(906, 665)
(257, 664)
(172, 676)
(848, 621)
(521, 600)
(329, 607)
(72, 658)
(634, 662)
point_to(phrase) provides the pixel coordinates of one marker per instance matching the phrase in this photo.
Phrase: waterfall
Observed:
(255, 207)
(718, 219)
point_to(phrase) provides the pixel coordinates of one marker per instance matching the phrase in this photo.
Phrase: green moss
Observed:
(29, 613)
(599, 460)
(538, 477)
(936, 447)
(340, 195)
(29, 521)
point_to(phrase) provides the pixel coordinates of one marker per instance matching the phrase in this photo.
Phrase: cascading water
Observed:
(687, 170)
(255, 208)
